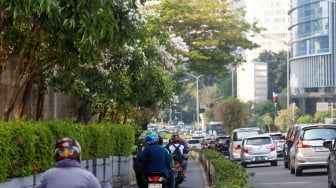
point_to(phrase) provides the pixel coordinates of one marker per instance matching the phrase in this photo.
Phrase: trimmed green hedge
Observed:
(27, 148)
(227, 174)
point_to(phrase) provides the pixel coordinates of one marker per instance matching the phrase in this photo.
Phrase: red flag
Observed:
(275, 96)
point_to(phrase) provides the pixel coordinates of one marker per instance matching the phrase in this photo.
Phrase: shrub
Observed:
(227, 174)
(28, 147)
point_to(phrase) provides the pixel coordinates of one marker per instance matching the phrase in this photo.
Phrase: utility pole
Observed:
(197, 95)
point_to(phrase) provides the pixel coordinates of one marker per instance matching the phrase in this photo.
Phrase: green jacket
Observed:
(170, 157)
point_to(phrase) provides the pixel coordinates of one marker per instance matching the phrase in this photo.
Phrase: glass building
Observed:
(312, 54)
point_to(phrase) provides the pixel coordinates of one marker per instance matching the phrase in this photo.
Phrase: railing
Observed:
(113, 171)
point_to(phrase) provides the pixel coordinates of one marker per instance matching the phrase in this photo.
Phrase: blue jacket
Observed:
(68, 174)
(156, 159)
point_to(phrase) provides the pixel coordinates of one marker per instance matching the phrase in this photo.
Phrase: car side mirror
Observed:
(328, 144)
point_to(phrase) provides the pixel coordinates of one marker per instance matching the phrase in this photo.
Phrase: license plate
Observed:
(259, 158)
(152, 185)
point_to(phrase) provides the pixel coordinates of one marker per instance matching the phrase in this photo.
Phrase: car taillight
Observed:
(300, 144)
(271, 148)
(236, 148)
(246, 149)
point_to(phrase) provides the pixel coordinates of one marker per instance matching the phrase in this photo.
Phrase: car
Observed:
(211, 144)
(308, 151)
(195, 143)
(222, 144)
(258, 149)
(279, 139)
(236, 139)
(288, 144)
(331, 162)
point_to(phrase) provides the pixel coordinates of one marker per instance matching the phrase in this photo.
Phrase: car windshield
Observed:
(194, 141)
(239, 136)
(276, 137)
(258, 141)
(319, 134)
(222, 141)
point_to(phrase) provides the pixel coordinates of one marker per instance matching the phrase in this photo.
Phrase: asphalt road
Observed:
(195, 177)
(267, 176)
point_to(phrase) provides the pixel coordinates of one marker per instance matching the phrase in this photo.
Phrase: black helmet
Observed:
(160, 140)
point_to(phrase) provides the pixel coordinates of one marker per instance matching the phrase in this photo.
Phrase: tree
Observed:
(305, 119)
(277, 71)
(232, 113)
(43, 35)
(213, 31)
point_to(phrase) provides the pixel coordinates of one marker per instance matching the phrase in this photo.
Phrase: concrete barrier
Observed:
(112, 172)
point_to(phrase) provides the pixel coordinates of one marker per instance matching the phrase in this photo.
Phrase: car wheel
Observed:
(330, 183)
(285, 162)
(298, 172)
(243, 164)
(291, 168)
(274, 163)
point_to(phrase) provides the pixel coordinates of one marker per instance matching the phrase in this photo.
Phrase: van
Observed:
(236, 139)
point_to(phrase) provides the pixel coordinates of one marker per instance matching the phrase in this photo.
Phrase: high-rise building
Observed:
(272, 16)
(312, 55)
(252, 79)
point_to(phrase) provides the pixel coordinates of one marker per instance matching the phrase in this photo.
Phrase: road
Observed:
(195, 177)
(267, 176)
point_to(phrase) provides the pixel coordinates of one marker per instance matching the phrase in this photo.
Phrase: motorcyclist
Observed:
(172, 172)
(138, 166)
(67, 172)
(176, 143)
(155, 158)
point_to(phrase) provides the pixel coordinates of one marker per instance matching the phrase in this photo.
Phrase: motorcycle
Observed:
(156, 180)
(178, 169)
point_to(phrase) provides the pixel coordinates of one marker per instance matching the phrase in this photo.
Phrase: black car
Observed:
(288, 144)
(222, 144)
(331, 162)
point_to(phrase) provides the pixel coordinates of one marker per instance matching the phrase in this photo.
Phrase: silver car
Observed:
(307, 151)
(258, 149)
(236, 139)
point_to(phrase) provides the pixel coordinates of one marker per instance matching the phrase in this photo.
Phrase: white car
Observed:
(236, 138)
(258, 149)
(195, 143)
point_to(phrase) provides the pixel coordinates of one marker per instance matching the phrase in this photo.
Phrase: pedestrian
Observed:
(67, 172)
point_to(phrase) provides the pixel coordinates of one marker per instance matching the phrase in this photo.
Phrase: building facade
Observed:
(252, 82)
(272, 16)
(312, 54)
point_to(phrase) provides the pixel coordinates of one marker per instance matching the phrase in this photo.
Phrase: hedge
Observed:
(227, 174)
(26, 148)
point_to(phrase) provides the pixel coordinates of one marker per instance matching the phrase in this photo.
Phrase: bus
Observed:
(215, 128)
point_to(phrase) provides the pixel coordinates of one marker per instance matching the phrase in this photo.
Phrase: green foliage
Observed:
(226, 173)
(320, 116)
(28, 147)
(213, 31)
(232, 113)
(305, 119)
(277, 72)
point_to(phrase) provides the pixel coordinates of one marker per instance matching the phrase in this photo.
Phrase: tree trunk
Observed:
(25, 98)
(18, 83)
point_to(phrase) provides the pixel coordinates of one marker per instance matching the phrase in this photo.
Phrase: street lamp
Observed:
(287, 66)
(197, 95)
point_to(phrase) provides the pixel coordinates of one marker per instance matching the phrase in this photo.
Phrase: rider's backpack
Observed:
(177, 155)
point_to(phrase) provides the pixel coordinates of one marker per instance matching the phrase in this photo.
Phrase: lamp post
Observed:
(197, 95)
(288, 69)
